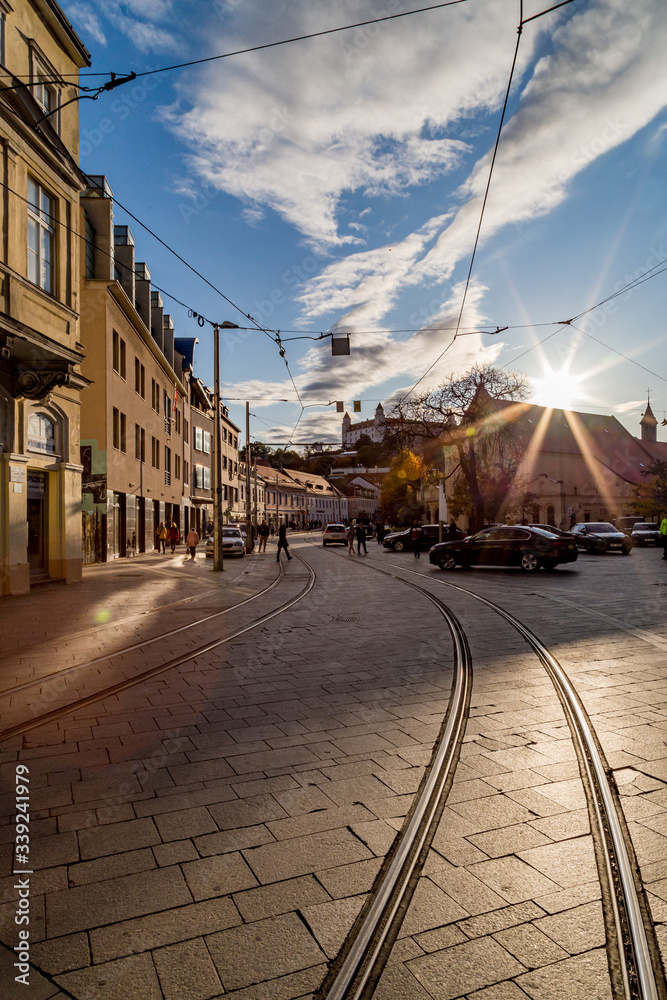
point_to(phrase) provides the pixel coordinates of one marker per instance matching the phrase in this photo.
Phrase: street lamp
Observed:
(218, 562)
(561, 483)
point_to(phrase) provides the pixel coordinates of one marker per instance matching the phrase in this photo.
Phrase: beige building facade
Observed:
(40, 350)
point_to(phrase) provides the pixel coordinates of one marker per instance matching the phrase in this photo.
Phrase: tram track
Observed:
(633, 955)
(114, 689)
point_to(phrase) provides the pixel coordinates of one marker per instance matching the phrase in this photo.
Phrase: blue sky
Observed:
(337, 183)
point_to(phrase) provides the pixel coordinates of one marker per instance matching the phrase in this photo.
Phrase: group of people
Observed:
(360, 534)
(173, 535)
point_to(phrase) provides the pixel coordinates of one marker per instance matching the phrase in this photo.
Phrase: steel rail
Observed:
(640, 980)
(46, 678)
(129, 682)
(365, 950)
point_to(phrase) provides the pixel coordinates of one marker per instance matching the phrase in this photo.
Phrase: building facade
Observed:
(40, 348)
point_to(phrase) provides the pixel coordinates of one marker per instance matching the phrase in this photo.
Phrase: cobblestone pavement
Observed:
(216, 829)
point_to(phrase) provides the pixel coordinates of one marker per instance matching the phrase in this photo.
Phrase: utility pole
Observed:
(248, 498)
(218, 561)
(256, 490)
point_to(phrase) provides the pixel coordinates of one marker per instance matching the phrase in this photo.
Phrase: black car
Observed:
(646, 533)
(400, 541)
(599, 536)
(506, 545)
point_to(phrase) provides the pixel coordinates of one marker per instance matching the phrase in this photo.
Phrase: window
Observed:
(155, 453)
(199, 476)
(207, 478)
(119, 430)
(186, 472)
(186, 431)
(139, 378)
(551, 515)
(177, 466)
(155, 396)
(119, 354)
(90, 246)
(41, 237)
(41, 434)
(177, 418)
(139, 443)
(199, 439)
(206, 443)
(167, 466)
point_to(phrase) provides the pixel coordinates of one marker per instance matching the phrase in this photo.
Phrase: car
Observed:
(334, 533)
(646, 533)
(599, 537)
(506, 545)
(233, 542)
(400, 541)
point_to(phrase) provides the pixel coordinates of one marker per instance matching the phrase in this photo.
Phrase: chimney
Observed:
(157, 319)
(168, 338)
(124, 255)
(142, 293)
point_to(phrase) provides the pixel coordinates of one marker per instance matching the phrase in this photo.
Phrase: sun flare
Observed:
(557, 390)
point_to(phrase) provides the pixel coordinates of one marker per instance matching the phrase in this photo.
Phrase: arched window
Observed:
(551, 516)
(41, 434)
(535, 514)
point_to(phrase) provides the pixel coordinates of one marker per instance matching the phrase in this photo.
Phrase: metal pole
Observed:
(218, 561)
(256, 491)
(248, 498)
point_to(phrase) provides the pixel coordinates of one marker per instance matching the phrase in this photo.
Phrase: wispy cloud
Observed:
(142, 21)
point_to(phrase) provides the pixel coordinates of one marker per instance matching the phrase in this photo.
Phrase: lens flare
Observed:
(557, 390)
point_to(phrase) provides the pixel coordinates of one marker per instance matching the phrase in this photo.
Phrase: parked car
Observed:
(233, 542)
(400, 541)
(599, 537)
(626, 524)
(334, 533)
(506, 545)
(646, 533)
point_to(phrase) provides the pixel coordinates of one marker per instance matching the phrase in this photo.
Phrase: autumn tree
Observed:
(474, 417)
(650, 497)
(399, 493)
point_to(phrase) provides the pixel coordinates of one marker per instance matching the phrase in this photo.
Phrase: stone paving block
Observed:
(301, 800)
(175, 852)
(576, 930)
(563, 826)
(233, 840)
(88, 906)
(256, 952)
(569, 863)
(556, 902)
(265, 759)
(264, 786)
(281, 897)
(496, 920)
(117, 838)
(186, 797)
(539, 804)
(530, 946)
(158, 929)
(316, 822)
(474, 896)
(378, 835)
(331, 922)
(457, 850)
(430, 907)
(585, 977)
(513, 879)
(441, 937)
(39, 988)
(509, 840)
(464, 968)
(185, 823)
(353, 790)
(490, 813)
(304, 855)
(206, 770)
(510, 781)
(111, 867)
(62, 954)
(246, 812)
(126, 979)
(186, 972)
(350, 879)
(398, 983)
(503, 991)
(218, 876)
(566, 793)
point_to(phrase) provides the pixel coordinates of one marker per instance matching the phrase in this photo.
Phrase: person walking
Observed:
(416, 538)
(663, 537)
(263, 532)
(350, 540)
(361, 539)
(380, 533)
(174, 536)
(161, 536)
(191, 541)
(282, 543)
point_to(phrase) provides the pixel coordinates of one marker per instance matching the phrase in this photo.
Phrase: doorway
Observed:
(37, 524)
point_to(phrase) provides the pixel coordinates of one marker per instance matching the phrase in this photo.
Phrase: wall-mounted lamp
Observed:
(131, 486)
(148, 489)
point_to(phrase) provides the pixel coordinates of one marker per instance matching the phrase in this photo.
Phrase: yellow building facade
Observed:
(40, 349)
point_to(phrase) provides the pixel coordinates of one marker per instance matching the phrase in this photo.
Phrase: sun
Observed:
(557, 390)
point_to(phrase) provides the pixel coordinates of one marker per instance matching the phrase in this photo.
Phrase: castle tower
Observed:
(649, 425)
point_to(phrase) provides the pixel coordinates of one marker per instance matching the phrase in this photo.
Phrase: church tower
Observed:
(649, 425)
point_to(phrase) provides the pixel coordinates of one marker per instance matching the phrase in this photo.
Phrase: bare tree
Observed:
(474, 415)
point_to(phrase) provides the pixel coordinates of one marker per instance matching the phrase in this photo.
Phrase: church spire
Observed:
(649, 424)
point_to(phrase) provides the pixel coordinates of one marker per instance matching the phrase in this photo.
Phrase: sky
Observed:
(342, 183)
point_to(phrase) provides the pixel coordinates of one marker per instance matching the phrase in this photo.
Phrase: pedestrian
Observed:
(282, 543)
(350, 540)
(380, 534)
(361, 539)
(191, 542)
(453, 531)
(174, 536)
(161, 536)
(416, 538)
(272, 531)
(263, 532)
(663, 537)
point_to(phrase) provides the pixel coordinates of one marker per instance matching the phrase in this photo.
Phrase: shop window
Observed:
(41, 237)
(41, 434)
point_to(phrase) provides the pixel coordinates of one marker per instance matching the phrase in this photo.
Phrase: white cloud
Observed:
(86, 22)
(142, 21)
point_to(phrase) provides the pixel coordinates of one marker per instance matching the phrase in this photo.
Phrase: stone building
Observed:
(40, 349)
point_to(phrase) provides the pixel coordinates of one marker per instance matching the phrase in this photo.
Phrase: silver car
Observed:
(233, 543)
(646, 533)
